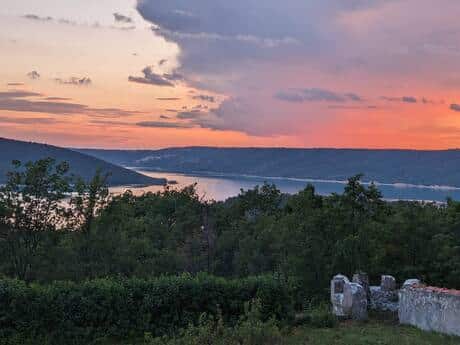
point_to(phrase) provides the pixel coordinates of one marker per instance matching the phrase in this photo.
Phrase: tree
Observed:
(31, 207)
(90, 200)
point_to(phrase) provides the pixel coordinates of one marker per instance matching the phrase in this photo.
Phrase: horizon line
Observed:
(239, 147)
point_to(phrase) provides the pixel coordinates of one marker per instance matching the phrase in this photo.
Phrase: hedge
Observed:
(128, 307)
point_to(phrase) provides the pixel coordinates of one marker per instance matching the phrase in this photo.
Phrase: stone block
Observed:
(388, 283)
(337, 289)
(362, 279)
(355, 301)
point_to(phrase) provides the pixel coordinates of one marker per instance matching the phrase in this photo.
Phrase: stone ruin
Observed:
(349, 299)
(430, 308)
(353, 299)
(425, 307)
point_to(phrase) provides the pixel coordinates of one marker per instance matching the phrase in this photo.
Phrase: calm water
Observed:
(217, 187)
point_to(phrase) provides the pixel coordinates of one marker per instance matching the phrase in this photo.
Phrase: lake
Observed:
(220, 187)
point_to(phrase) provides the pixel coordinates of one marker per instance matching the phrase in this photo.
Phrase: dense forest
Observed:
(385, 166)
(91, 264)
(48, 233)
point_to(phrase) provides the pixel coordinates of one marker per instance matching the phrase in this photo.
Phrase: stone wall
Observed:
(425, 307)
(430, 308)
(352, 299)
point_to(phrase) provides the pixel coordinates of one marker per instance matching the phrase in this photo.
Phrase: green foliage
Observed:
(120, 308)
(319, 316)
(250, 330)
(294, 243)
(30, 208)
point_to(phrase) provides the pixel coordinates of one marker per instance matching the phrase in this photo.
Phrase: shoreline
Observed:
(400, 185)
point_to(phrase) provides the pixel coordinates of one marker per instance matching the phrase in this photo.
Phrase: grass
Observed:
(370, 333)
(354, 333)
(374, 332)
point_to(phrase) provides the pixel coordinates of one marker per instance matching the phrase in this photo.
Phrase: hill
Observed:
(81, 164)
(385, 166)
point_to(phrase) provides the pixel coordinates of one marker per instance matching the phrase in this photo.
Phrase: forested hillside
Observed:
(386, 166)
(82, 165)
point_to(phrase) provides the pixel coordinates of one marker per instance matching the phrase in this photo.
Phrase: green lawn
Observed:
(371, 333)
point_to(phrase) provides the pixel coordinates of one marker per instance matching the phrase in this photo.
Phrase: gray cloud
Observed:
(18, 94)
(33, 75)
(455, 107)
(316, 95)
(404, 99)
(109, 123)
(78, 81)
(168, 99)
(28, 120)
(57, 99)
(38, 18)
(15, 84)
(165, 117)
(25, 101)
(247, 49)
(206, 98)
(48, 19)
(120, 18)
(409, 99)
(151, 78)
(186, 115)
(160, 124)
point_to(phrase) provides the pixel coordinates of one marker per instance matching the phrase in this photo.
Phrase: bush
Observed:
(123, 308)
(317, 316)
(250, 330)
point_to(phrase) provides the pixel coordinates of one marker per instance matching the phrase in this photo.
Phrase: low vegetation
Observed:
(119, 308)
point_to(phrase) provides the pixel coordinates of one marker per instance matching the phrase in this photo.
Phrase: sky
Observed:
(293, 73)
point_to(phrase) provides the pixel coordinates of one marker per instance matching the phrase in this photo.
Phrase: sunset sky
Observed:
(292, 73)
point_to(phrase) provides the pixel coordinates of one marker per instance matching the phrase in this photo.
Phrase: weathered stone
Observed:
(383, 300)
(430, 309)
(355, 301)
(388, 283)
(362, 279)
(411, 282)
(337, 288)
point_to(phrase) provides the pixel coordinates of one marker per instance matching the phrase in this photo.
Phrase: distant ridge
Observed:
(81, 164)
(385, 166)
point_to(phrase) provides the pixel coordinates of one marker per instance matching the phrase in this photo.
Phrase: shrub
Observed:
(124, 308)
(317, 315)
(250, 330)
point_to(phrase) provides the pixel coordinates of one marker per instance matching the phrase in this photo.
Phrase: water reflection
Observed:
(214, 187)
